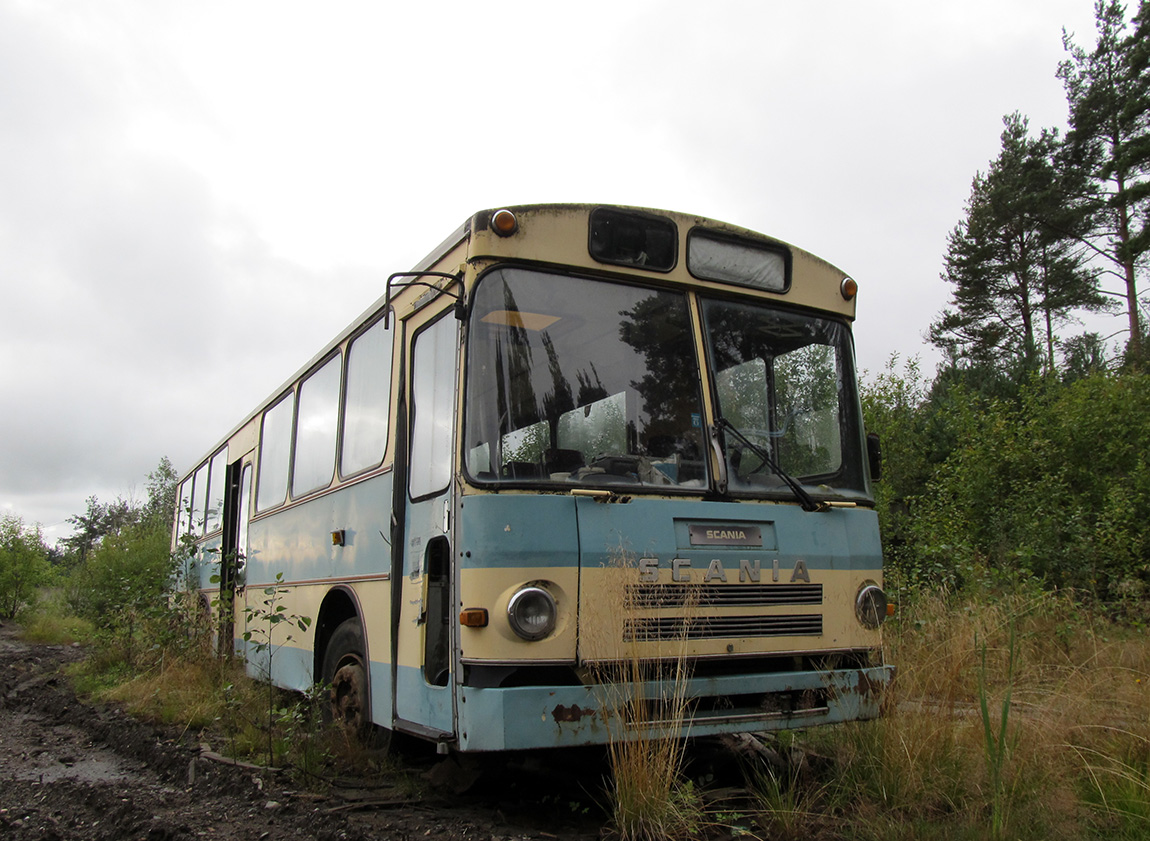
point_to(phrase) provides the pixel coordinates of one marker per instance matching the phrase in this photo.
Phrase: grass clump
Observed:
(51, 622)
(643, 699)
(1014, 715)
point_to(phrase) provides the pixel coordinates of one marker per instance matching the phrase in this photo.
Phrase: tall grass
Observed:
(51, 622)
(1073, 763)
(644, 701)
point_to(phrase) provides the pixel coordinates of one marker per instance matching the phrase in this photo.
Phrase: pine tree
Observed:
(1014, 262)
(1108, 93)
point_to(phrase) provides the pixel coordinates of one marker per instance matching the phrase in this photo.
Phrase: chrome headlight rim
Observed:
(525, 597)
(870, 605)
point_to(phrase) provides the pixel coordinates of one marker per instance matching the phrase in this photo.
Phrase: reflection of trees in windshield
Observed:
(657, 328)
(516, 396)
(807, 397)
(620, 395)
(559, 399)
(780, 380)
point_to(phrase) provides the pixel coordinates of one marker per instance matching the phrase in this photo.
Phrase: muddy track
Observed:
(73, 770)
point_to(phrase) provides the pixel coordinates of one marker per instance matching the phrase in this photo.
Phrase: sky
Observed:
(196, 197)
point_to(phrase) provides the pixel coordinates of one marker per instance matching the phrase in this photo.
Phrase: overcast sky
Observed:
(194, 197)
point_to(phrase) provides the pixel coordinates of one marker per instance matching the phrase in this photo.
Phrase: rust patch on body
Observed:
(868, 687)
(573, 713)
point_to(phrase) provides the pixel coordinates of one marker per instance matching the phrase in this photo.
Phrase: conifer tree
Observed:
(1014, 260)
(1108, 93)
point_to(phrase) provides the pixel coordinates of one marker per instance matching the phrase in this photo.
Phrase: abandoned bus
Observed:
(571, 438)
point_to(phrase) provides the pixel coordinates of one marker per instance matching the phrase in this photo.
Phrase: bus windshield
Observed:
(584, 382)
(581, 381)
(785, 382)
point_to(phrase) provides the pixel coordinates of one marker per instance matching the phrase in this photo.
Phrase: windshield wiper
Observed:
(808, 502)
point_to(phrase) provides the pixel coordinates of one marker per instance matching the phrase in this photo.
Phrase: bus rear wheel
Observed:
(345, 672)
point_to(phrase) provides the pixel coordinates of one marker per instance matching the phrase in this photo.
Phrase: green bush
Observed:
(129, 570)
(1054, 487)
(124, 585)
(23, 565)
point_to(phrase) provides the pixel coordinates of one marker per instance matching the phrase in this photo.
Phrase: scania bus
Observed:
(571, 436)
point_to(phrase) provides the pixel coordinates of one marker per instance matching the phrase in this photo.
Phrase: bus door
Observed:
(424, 698)
(234, 547)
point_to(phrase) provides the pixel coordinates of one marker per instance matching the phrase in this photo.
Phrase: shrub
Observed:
(23, 565)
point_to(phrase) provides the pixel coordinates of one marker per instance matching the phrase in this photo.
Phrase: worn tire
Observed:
(345, 671)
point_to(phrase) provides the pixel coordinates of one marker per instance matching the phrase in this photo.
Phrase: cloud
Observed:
(194, 198)
(138, 309)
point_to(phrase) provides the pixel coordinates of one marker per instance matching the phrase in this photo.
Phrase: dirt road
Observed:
(71, 770)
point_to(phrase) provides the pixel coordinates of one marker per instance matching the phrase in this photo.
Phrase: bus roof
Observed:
(558, 234)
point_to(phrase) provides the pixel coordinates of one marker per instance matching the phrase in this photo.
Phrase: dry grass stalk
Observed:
(646, 706)
(1080, 715)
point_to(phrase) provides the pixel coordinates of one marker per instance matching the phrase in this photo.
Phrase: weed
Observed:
(260, 625)
(996, 745)
(785, 804)
(647, 709)
(53, 623)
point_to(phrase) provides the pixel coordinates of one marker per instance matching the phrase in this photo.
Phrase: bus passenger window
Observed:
(217, 482)
(185, 508)
(315, 429)
(275, 447)
(199, 497)
(366, 406)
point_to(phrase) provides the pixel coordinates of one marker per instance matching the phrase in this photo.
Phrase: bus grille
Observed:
(663, 628)
(650, 596)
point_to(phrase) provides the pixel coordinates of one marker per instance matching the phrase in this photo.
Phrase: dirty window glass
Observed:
(315, 429)
(185, 508)
(433, 393)
(275, 447)
(366, 406)
(217, 483)
(785, 381)
(199, 496)
(580, 382)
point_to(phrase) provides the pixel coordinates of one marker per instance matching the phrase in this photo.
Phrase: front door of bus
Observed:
(423, 680)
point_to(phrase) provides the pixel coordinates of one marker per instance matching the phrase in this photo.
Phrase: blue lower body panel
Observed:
(523, 718)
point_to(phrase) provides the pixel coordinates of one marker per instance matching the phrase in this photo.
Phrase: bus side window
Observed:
(433, 391)
(315, 429)
(275, 447)
(216, 482)
(185, 513)
(366, 404)
(199, 499)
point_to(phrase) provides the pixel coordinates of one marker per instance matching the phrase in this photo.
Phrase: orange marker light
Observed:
(473, 617)
(504, 223)
(849, 288)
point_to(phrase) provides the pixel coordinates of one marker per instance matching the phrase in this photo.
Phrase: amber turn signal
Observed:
(473, 617)
(849, 288)
(504, 223)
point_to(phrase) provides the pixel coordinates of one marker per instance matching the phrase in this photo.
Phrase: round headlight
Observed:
(531, 613)
(870, 606)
